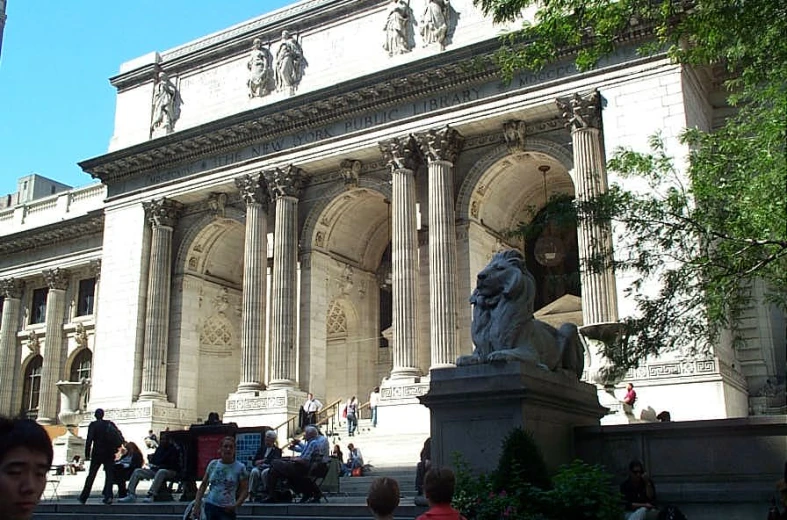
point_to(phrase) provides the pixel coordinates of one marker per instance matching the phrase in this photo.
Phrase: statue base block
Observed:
(473, 408)
(65, 447)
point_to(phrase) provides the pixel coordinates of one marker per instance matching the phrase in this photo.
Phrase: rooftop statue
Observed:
(504, 328)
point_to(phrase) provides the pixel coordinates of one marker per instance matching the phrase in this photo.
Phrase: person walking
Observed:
(352, 416)
(374, 400)
(103, 441)
(228, 481)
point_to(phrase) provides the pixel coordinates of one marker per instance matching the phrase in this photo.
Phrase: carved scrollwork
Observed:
(581, 112)
(400, 153)
(287, 181)
(56, 278)
(11, 287)
(442, 144)
(252, 188)
(163, 212)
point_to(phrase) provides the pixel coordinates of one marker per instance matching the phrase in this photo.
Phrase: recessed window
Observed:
(38, 311)
(31, 392)
(81, 368)
(86, 298)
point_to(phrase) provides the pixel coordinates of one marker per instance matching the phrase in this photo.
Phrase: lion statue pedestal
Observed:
(522, 373)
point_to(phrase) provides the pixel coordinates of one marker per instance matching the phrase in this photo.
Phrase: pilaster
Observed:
(11, 291)
(285, 185)
(54, 351)
(441, 148)
(401, 157)
(162, 214)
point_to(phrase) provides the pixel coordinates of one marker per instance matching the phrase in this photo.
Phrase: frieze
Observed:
(256, 403)
(49, 235)
(404, 391)
(285, 129)
(679, 368)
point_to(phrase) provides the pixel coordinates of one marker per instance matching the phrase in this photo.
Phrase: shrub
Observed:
(582, 491)
(521, 462)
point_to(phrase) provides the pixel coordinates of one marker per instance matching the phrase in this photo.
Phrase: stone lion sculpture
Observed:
(504, 328)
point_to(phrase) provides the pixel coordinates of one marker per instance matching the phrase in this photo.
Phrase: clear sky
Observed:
(56, 104)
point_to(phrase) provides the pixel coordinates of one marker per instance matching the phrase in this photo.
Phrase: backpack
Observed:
(113, 437)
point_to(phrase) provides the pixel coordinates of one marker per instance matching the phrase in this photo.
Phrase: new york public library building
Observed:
(301, 202)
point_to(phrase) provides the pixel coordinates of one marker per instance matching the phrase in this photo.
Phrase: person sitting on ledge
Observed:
(639, 494)
(163, 465)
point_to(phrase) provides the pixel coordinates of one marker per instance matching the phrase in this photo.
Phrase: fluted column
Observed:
(285, 186)
(54, 353)
(162, 214)
(583, 116)
(11, 290)
(255, 262)
(400, 155)
(441, 148)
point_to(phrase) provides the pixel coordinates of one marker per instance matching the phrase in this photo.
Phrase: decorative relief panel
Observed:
(404, 391)
(336, 322)
(261, 81)
(350, 170)
(435, 23)
(290, 63)
(398, 28)
(682, 368)
(256, 403)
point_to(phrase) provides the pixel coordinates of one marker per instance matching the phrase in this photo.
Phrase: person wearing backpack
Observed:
(103, 441)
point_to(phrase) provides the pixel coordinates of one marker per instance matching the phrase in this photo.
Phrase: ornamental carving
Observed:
(80, 336)
(515, 133)
(11, 288)
(581, 112)
(56, 279)
(434, 22)
(165, 105)
(163, 212)
(290, 63)
(95, 268)
(287, 181)
(443, 144)
(398, 28)
(217, 202)
(350, 171)
(400, 153)
(260, 80)
(252, 188)
(33, 342)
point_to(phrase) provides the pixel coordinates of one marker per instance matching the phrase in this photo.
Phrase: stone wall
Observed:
(710, 469)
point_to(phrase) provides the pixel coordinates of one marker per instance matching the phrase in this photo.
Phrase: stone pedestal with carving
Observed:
(474, 407)
(265, 408)
(399, 409)
(68, 444)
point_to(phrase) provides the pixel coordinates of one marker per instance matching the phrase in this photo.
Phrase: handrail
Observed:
(290, 428)
(328, 416)
(365, 411)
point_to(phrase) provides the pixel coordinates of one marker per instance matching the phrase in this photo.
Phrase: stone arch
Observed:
(559, 153)
(76, 358)
(185, 252)
(343, 352)
(31, 394)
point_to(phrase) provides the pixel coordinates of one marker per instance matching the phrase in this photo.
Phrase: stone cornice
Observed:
(89, 224)
(447, 70)
(235, 40)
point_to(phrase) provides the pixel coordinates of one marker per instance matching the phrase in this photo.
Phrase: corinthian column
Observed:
(11, 291)
(255, 260)
(162, 215)
(441, 148)
(400, 155)
(54, 353)
(583, 116)
(285, 186)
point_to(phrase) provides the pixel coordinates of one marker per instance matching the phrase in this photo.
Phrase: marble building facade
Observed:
(287, 206)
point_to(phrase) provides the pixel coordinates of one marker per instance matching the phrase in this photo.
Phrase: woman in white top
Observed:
(228, 481)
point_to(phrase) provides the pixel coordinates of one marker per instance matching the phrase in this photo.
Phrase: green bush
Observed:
(577, 491)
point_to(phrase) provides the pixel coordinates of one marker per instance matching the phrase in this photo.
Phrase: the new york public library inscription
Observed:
(411, 109)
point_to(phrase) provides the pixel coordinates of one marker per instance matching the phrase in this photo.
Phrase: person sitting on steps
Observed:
(163, 465)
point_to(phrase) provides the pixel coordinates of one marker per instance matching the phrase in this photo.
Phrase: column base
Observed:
(405, 373)
(271, 407)
(152, 396)
(46, 421)
(399, 409)
(250, 388)
(280, 384)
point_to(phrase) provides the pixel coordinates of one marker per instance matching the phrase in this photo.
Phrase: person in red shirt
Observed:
(439, 486)
(631, 395)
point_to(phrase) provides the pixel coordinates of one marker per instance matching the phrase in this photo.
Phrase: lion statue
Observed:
(504, 328)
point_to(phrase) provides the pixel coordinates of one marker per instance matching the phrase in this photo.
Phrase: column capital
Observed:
(56, 278)
(581, 112)
(400, 153)
(11, 287)
(350, 170)
(286, 181)
(440, 144)
(163, 212)
(252, 188)
(515, 133)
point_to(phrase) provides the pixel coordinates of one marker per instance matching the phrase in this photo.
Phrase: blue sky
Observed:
(56, 104)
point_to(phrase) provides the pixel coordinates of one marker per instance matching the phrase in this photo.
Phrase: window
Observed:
(32, 388)
(38, 312)
(87, 290)
(81, 368)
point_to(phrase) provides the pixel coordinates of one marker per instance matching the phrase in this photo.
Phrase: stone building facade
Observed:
(301, 202)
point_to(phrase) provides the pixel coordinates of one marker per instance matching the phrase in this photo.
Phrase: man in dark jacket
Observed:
(163, 465)
(99, 450)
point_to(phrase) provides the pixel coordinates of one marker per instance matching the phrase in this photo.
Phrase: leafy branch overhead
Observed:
(700, 237)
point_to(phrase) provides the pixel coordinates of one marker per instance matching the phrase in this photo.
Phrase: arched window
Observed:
(80, 367)
(31, 390)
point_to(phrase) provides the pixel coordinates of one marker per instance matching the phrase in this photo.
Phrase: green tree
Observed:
(708, 234)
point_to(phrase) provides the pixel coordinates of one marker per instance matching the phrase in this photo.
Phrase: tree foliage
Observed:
(708, 233)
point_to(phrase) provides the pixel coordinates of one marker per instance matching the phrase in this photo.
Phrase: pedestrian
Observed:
(224, 486)
(352, 416)
(374, 400)
(103, 441)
